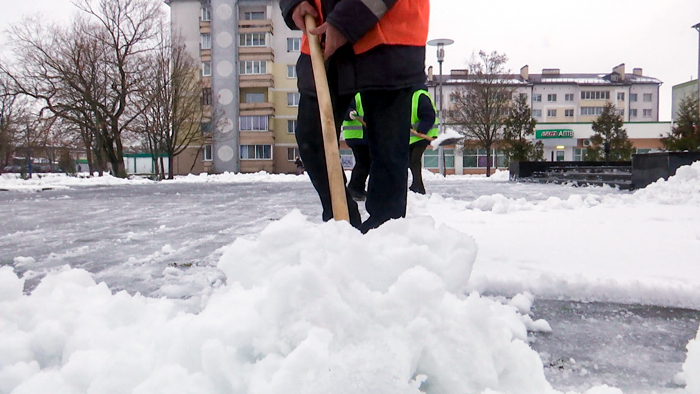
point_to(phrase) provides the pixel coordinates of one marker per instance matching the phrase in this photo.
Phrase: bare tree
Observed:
(517, 127)
(89, 73)
(172, 119)
(481, 105)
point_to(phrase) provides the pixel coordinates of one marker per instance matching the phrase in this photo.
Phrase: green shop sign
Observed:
(555, 133)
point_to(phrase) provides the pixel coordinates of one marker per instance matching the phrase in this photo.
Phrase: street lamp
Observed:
(440, 43)
(697, 27)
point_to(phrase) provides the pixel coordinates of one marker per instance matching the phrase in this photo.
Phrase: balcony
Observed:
(256, 53)
(255, 26)
(253, 109)
(257, 138)
(257, 81)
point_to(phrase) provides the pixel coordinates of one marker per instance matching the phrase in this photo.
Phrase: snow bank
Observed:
(307, 308)
(228, 177)
(691, 368)
(61, 181)
(682, 188)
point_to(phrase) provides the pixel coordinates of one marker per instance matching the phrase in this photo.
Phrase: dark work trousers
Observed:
(309, 137)
(415, 164)
(388, 118)
(360, 172)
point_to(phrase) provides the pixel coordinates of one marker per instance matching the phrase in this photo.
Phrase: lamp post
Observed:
(440, 43)
(697, 27)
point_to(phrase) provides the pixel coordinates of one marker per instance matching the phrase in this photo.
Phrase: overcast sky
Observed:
(572, 35)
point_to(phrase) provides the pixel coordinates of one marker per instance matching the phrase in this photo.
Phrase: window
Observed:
(647, 97)
(569, 113)
(620, 96)
(293, 44)
(205, 127)
(255, 97)
(205, 15)
(551, 113)
(552, 98)
(647, 113)
(253, 123)
(643, 151)
(620, 112)
(633, 97)
(206, 96)
(256, 152)
(253, 16)
(586, 111)
(250, 67)
(595, 95)
(208, 154)
(569, 97)
(291, 126)
(476, 158)
(293, 99)
(579, 154)
(206, 69)
(633, 113)
(291, 71)
(536, 113)
(523, 96)
(205, 41)
(252, 40)
(537, 98)
(292, 154)
(560, 155)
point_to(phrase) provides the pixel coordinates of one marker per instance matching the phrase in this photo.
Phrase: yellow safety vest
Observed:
(353, 129)
(433, 132)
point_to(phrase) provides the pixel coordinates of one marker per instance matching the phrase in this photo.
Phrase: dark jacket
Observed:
(386, 67)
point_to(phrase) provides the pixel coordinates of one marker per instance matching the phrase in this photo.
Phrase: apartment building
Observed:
(565, 105)
(248, 83)
(681, 91)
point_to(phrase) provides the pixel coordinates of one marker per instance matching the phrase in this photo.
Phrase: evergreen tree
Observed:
(516, 128)
(685, 135)
(609, 132)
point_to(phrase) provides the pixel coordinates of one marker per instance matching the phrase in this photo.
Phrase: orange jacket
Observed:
(405, 23)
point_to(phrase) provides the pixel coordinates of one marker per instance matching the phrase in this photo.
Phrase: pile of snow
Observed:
(40, 182)
(682, 188)
(691, 367)
(229, 177)
(308, 308)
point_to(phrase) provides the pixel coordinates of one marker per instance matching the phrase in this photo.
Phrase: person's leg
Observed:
(360, 172)
(416, 165)
(311, 148)
(388, 117)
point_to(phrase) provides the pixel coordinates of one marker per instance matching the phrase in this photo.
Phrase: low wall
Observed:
(650, 167)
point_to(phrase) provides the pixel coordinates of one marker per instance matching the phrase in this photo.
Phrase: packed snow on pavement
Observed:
(230, 284)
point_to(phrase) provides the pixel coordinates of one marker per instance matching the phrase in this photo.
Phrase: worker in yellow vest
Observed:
(424, 126)
(353, 130)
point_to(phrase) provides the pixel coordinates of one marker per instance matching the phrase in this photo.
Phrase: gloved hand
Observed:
(354, 115)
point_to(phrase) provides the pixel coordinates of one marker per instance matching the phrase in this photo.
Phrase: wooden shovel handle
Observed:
(336, 181)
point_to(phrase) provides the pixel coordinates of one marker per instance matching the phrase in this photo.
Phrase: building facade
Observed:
(565, 105)
(681, 91)
(248, 84)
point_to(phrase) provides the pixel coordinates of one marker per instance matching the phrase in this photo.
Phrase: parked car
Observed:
(15, 168)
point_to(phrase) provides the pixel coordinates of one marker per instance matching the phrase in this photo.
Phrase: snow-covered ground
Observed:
(230, 284)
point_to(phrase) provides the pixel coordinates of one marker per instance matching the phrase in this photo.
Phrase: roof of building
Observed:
(568, 79)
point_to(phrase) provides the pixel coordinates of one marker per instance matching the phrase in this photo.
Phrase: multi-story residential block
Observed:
(679, 92)
(248, 83)
(565, 105)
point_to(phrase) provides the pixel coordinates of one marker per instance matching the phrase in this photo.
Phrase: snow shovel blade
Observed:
(449, 141)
